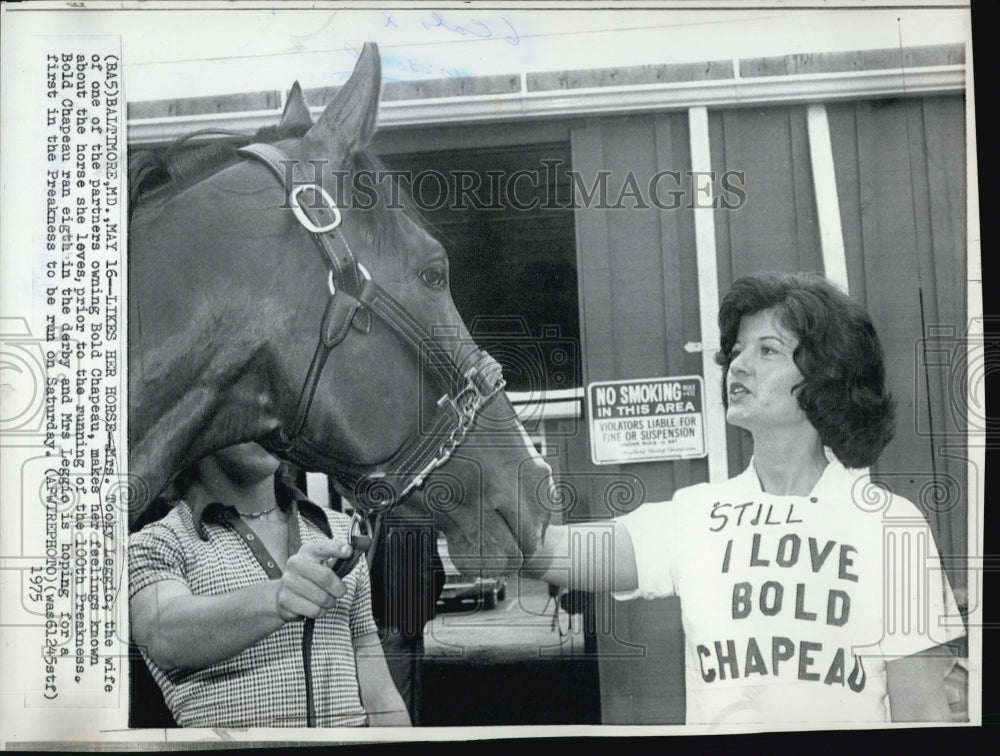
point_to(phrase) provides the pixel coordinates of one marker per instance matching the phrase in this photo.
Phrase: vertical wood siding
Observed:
(638, 307)
(777, 228)
(901, 180)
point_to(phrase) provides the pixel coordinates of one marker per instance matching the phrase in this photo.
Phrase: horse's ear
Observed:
(296, 110)
(348, 122)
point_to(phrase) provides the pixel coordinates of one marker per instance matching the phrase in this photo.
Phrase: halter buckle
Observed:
(359, 526)
(300, 214)
(332, 287)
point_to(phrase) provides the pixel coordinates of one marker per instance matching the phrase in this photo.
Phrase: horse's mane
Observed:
(157, 176)
(160, 175)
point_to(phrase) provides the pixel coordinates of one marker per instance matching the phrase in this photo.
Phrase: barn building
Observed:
(594, 216)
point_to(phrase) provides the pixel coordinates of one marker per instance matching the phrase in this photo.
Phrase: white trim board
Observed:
(734, 92)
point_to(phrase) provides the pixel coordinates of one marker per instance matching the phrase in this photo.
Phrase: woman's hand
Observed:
(594, 557)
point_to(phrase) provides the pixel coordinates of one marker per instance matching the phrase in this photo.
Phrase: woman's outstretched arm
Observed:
(593, 557)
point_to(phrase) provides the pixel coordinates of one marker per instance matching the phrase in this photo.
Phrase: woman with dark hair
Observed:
(842, 391)
(796, 605)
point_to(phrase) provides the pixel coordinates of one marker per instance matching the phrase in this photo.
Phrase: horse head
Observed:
(295, 299)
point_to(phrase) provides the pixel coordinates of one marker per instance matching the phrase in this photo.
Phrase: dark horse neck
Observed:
(191, 394)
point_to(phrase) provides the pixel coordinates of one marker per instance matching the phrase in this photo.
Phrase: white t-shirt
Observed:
(791, 605)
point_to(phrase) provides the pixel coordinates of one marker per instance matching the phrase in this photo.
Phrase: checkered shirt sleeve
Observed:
(263, 686)
(155, 553)
(362, 620)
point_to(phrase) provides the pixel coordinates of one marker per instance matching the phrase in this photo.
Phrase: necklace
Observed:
(255, 515)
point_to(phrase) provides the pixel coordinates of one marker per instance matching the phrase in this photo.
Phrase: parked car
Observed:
(483, 591)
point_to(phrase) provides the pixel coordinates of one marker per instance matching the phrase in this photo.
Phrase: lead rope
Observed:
(363, 544)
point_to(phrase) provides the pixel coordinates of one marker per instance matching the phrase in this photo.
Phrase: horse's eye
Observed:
(435, 277)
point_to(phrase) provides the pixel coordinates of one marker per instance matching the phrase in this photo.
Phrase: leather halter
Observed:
(354, 297)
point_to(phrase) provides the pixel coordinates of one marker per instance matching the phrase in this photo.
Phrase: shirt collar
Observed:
(213, 511)
(833, 478)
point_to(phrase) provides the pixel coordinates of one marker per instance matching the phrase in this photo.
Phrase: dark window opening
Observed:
(507, 225)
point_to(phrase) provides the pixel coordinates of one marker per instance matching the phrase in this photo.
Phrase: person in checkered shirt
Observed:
(220, 586)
